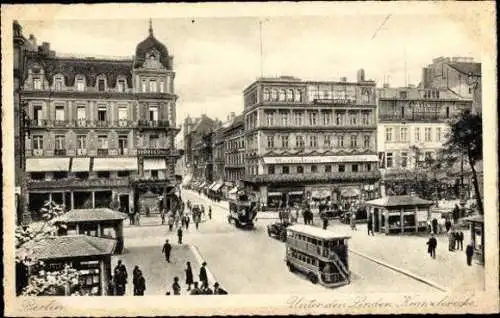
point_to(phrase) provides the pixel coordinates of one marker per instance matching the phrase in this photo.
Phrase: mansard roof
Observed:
(151, 43)
(88, 67)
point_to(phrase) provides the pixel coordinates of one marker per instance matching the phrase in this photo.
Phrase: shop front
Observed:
(477, 236)
(399, 214)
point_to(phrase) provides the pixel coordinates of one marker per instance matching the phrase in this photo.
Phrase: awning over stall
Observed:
(212, 185)
(115, 164)
(47, 164)
(80, 165)
(296, 193)
(217, 186)
(320, 194)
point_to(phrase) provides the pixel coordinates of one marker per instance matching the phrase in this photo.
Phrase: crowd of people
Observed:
(455, 243)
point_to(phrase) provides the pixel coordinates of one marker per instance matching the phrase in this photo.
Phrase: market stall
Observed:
(399, 214)
(477, 236)
(104, 223)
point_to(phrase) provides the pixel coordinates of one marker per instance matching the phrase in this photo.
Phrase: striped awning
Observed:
(115, 164)
(350, 192)
(155, 164)
(47, 164)
(80, 165)
(212, 185)
(217, 186)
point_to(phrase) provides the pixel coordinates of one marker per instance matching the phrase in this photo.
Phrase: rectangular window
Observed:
(366, 118)
(37, 113)
(388, 134)
(80, 85)
(327, 141)
(270, 142)
(366, 142)
(354, 167)
(326, 118)
(123, 174)
(298, 118)
(81, 142)
(154, 174)
(152, 86)
(123, 144)
(438, 134)
(269, 119)
(313, 141)
(82, 175)
(341, 142)
(101, 85)
(312, 118)
(388, 158)
(285, 169)
(122, 116)
(37, 142)
(103, 174)
(353, 119)
(314, 168)
(154, 141)
(162, 87)
(153, 113)
(328, 168)
(102, 142)
(59, 142)
(404, 159)
(284, 119)
(37, 83)
(368, 167)
(284, 142)
(339, 118)
(143, 86)
(121, 86)
(58, 84)
(428, 155)
(342, 168)
(354, 141)
(300, 169)
(59, 113)
(428, 134)
(81, 113)
(270, 169)
(299, 141)
(417, 134)
(102, 113)
(404, 134)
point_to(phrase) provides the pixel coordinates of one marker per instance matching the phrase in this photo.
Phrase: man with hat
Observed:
(203, 276)
(218, 290)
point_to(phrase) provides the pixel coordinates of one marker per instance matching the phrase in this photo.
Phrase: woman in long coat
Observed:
(189, 275)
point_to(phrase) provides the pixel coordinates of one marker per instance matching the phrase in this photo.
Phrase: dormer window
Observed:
(37, 83)
(80, 84)
(101, 85)
(121, 85)
(58, 83)
(143, 85)
(267, 95)
(162, 86)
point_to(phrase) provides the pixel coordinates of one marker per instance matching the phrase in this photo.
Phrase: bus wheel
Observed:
(313, 278)
(291, 268)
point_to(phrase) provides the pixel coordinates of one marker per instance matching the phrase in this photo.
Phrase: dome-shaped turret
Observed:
(148, 45)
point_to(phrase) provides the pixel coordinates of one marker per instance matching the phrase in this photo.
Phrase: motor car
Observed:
(278, 230)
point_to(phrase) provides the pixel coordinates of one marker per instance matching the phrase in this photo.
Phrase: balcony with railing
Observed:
(317, 177)
(154, 124)
(153, 152)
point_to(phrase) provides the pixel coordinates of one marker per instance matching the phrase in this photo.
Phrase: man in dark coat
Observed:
(370, 226)
(135, 276)
(140, 284)
(325, 223)
(218, 290)
(120, 278)
(434, 225)
(167, 248)
(179, 234)
(203, 276)
(431, 246)
(469, 252)
(196, 290)
(447, 225)
(460, 240)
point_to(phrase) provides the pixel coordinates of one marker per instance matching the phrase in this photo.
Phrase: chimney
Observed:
(361, 75)
(386, 85)
(343, 79)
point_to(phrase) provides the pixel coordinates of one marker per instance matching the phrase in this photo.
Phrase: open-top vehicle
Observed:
(242, 212)
(278, 230)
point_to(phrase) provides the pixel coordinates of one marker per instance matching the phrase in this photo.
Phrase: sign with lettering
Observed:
(342, 101)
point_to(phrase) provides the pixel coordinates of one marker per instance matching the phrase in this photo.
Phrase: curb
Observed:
(199, 259)
(402, 271)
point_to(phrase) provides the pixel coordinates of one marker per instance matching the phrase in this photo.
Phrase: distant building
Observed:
(234, 150)
(198, 147)
(218, 143)
(458, 75)
(100, 128)
(310, 138)
(413, 124)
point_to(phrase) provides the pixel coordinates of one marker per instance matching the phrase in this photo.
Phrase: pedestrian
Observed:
(203, 275)
(140, 286)
(176, 287)
(209, 212)
(131, 217)
(196, 290)
(170, 221)
(434, 225)
(187, 220)
(162, 216)
(207, 291)
(451, 241)
(179, 235)
(135, 275)
(167, 248)
(304, 215)
(325, 223)
(447, 225)
(196, 220)
(461, 240)
(431, 246)
(120, 278)
(137, 219)
(189, 275)
(370, 226)
(353, 221)
(456, 238)
(218, 290)
(469, 252)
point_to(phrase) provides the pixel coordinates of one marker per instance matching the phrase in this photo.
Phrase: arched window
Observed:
(274, 94)
(267, 95)
(282, 95)
(101, 83)
(289, 95)
(121, 84)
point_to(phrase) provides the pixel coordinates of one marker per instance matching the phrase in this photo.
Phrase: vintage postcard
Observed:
(269, 158)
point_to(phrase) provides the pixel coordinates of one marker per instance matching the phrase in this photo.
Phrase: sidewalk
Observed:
(409, 253)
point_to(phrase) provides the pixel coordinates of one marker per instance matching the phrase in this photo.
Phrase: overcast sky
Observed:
(216, 58)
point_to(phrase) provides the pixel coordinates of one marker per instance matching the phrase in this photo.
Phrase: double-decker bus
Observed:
(319, 254)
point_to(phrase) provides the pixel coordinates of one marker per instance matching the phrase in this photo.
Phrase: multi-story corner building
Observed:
(310, 137)
(413, 124)
(101, 128)
(458, 75)
(197, 150)
(234, 150)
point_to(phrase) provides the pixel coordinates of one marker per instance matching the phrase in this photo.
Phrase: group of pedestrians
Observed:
(118, 283)
(199, 288)
(455, 242)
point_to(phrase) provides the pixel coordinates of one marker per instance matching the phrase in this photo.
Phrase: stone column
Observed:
(72, 200)
(386, 225)
(93, 199)
(416, 221)
(401, 217)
